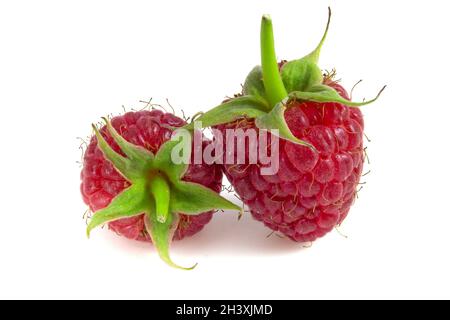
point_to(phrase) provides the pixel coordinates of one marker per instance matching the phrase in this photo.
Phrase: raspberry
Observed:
(307, 197)
(321, 147)
(130, 182)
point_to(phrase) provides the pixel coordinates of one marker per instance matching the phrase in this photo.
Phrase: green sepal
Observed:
(132, 151)
(163, 161)
(275, 121)
(254, 84)
(162, 235)
(240, 107)
(304, 73)
(324, 93)
(131, 168)
(314, 55)
(131, 202)
(300, 75)
(122, 164)
(192, 198)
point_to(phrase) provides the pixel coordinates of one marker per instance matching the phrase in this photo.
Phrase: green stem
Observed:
(273, 83)
(161, 193)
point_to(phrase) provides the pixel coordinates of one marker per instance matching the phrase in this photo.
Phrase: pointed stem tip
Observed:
(162, 235)
(316, 53)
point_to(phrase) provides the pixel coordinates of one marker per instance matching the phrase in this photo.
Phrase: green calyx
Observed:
(156, 191)
(267, 90)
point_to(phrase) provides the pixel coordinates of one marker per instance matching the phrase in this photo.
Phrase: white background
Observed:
(64, 64)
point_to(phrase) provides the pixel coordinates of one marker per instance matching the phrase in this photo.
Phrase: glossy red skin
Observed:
(101, 182)
(312, 191)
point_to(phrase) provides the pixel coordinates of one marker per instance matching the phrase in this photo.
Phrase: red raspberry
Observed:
(101, 182)
(313, 190)
(320, 147)
(137, 178)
